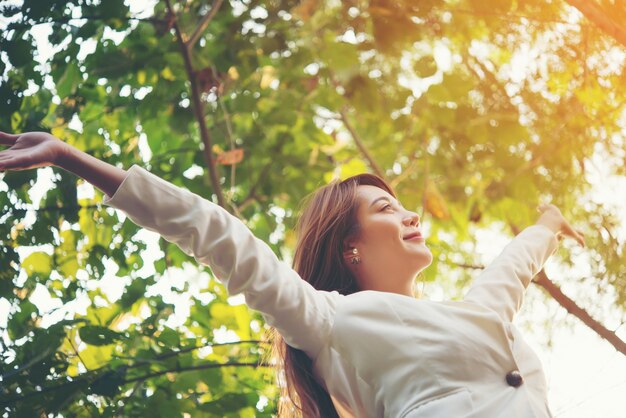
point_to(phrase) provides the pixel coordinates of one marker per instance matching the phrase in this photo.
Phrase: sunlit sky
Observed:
(586, 375)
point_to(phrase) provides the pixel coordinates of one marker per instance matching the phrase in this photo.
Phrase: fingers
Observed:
(5, 163)
(564, 228)
(577, 235)
(543, 207)
(7, 139)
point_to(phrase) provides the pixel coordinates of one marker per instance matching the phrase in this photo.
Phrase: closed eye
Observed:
(387, 206)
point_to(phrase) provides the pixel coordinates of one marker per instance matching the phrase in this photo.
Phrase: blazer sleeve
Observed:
(245, 264)
(501, 285)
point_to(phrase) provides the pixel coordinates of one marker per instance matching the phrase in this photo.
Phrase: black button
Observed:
(514, 378)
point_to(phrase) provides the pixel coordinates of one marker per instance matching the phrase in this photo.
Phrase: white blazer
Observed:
(378, 354)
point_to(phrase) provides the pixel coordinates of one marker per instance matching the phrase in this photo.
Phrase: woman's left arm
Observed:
(501, 285)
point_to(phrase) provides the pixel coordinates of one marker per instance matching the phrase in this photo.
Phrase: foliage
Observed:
(437, 92)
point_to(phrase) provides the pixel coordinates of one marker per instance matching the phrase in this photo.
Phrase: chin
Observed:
(424, 259)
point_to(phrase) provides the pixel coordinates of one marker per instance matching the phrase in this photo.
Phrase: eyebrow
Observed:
(379, 199)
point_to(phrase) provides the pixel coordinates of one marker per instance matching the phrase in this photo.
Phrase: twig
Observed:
(77, 353)
(86, 381)
(188, 349)
(27, 366)
(359, 143)
(204, 23)
(252, 196)
(596, 14)
(198, 108)
(87, 17)
(229, 131)
(55, 208)
(199, 367)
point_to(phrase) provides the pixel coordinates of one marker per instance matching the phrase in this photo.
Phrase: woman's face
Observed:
(389, 242)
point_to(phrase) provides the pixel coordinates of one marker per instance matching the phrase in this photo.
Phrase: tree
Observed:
(254, 104)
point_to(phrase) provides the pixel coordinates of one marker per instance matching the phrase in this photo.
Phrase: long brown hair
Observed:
(327, 220)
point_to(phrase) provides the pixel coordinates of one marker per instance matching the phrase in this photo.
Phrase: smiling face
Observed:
(389, 243)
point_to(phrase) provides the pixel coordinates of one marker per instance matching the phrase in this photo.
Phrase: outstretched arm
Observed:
(40, 149)
(202, 229)
(501, 285)
(241, 261)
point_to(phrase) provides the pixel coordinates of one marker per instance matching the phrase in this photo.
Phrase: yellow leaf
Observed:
(314, 154)
(435, 203)
(141, 77)
(58, 132)
(352, 168)
(37, 262)
(305, 9)
(94, 357)
(242, 316)
(230, 157)
(15, 231)
(167, 74)
(16, 120)
(233, 73)
(72, 370)
(268, 76)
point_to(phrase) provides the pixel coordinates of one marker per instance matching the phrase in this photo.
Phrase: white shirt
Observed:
(378, 354)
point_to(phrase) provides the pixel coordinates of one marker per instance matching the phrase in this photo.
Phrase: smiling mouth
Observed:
(413, 236)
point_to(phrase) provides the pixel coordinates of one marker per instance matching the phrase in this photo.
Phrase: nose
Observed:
(411, 219)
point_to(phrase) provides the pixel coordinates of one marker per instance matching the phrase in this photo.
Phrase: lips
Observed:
(413, 235)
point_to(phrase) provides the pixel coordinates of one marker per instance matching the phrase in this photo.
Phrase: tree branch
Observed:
(38, 358)
(594, 12)
(190, 368)
(541, 279)
(55, 208)
(68, 19)
(188, 349)
(198, 108)
(84, 382)
(570, 306)
(359, 143)
(204, 23)
(77, 353)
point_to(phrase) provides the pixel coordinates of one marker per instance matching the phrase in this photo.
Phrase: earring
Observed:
(355, 259)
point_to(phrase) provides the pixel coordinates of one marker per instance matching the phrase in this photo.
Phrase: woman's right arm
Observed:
(245, 264)
(40, 149)
(202, 229)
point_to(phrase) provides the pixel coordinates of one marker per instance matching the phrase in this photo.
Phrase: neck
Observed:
(381, 283)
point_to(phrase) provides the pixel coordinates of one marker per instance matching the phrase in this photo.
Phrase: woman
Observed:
(357, 342)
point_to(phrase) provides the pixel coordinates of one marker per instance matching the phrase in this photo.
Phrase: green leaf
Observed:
(230, 403)
(108, 384)
(68, 82)
(97, 335)
(169, 337)
(18, 51)
(17, 179)
(21, 322)
(112, 9)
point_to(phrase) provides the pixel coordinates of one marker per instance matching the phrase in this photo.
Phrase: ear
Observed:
(348, 246)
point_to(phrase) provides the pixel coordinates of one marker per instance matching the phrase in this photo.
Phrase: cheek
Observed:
(377, 232)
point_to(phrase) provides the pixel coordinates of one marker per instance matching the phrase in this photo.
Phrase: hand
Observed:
(552, 218)
(30, 150)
